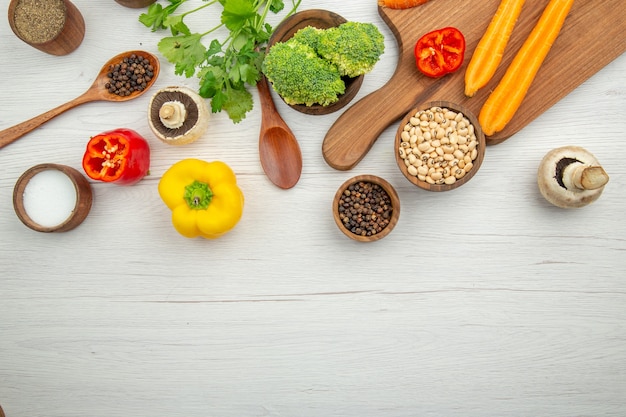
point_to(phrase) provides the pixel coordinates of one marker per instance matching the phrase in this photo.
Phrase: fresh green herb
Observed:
(227, 66)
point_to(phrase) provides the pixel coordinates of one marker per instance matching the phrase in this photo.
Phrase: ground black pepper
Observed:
(133, 73)
(365, 208)
(39, 21)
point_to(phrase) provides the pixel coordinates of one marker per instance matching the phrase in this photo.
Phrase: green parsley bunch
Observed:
(226, 66)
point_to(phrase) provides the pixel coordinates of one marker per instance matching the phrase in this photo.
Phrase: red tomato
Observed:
(440, 52)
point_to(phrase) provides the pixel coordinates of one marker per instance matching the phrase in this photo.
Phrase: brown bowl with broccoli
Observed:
(316, 60)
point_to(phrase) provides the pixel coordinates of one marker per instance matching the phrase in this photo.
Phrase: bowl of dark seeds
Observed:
(366, 208)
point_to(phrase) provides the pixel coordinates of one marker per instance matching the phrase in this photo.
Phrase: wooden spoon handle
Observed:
(270, 115)
(12, 134)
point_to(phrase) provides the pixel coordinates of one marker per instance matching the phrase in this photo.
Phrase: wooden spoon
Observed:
(279, 150)
(97, 92)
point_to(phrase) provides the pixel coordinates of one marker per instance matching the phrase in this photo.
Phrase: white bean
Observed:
(438, 145)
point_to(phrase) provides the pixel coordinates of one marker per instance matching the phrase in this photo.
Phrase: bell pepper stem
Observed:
(198, 195)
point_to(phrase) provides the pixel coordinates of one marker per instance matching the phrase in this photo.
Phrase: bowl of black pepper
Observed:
(366, 208)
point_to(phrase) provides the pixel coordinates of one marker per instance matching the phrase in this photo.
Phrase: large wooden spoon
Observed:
(97, 92)
(279, 150)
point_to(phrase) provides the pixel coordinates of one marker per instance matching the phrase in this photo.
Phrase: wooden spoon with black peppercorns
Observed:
(124, 77)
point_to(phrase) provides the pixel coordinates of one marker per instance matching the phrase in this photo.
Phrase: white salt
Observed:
(49, 198)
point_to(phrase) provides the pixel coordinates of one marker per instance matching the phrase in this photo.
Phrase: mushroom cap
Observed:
(561, 190)
(196, 115)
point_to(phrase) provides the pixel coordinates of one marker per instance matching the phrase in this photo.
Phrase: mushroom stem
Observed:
(584, 177)
(172, 114)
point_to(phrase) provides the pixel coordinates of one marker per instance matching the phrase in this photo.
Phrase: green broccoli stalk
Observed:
(309, 68)
(353, 46)
(300, 76)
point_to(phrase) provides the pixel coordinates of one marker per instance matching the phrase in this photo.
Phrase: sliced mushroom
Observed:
(178, 115)
(571, 177)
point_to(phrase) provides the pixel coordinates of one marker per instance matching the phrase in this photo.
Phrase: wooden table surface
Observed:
(484, 301)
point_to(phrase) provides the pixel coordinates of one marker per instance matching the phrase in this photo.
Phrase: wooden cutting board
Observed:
(594, 34)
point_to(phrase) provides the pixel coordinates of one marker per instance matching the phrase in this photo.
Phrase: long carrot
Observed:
(506, 98)
(400, 4)
(490, 48)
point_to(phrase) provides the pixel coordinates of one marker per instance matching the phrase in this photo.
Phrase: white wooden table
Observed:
(484, 301)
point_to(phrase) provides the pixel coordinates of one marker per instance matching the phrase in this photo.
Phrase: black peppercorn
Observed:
(130, 75)
(365, 208)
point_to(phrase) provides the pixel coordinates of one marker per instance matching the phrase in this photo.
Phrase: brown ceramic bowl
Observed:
(81, 207)
(135, 4)
(69, 37)
(393, 216)
(321, 19)
(435, 156)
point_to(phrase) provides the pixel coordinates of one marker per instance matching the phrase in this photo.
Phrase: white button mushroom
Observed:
(178, 115)
(571, 177)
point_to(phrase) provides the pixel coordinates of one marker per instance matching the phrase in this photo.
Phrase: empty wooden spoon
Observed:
(97, 92)
(279, 150)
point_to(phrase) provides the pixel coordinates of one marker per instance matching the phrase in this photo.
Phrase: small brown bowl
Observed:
(69, 36)
(390, 219)
(135, 4)
(76, 215)
(435, 155)
(321, 19)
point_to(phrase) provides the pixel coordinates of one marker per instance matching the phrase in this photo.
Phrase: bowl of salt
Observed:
(52, 198)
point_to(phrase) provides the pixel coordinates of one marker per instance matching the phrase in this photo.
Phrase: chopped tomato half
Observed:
(440, 52)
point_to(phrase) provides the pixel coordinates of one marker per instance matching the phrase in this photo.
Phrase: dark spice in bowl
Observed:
(55, 27)
(366, 208)
(39, 21)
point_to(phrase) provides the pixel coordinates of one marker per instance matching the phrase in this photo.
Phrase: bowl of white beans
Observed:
(439, 146)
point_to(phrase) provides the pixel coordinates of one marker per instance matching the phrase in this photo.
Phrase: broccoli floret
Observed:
(300, 76)
(308, 35)
(354, 47)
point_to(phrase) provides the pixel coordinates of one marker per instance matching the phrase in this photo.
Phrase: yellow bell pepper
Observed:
(204, 197)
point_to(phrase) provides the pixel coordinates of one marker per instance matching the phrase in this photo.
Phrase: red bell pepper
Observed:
(440, 52)
(121, 156)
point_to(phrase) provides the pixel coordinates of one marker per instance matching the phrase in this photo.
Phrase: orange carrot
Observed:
(489, 51)
(507, 97)
(400, 4)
